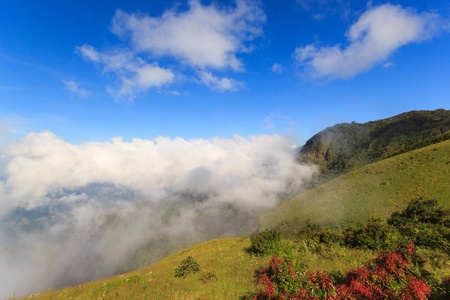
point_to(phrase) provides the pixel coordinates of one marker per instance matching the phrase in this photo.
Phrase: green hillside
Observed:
(377, 189)
(228, 259)
(348, 146)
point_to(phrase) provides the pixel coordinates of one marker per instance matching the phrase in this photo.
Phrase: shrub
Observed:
(288, 280)
(420, 211)
(392, 275)
(427, 235)
(444, 287)
(424, 223)
(187, 266)
(397, 274)
(266, 243)
(373, 234)
(319, 234)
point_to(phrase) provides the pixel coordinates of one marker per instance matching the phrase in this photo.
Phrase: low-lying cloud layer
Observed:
(378, 33)
(88, 208)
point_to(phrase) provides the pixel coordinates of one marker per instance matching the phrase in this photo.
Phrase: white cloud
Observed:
(175, 93)
(118, 196)
(219, 84)
(202, 37)
(134, 74)
(325, 8)
(277, 68)
(73, 87)
(378, 33)
(270, 119)
(90, 53)
(43, 163)
(387, 65)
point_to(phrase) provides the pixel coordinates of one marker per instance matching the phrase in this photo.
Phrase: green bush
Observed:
(421, 211)
(324, 235)
(187, 266)
(266, 243)
(424, 223)
(373, 234)
(443, 290)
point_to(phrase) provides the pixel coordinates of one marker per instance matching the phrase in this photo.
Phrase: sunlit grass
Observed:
(228, 259)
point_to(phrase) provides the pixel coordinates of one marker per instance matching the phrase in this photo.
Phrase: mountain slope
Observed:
(345, 147)
(378, 189)
(228, 259)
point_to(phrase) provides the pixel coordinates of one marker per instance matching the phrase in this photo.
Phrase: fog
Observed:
(72, 213)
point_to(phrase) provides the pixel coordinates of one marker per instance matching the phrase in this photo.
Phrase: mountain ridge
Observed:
(348, 146)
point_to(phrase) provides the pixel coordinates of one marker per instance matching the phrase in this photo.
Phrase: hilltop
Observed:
(345, 147)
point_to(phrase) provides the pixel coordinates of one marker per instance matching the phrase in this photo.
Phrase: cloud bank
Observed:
(377, 34)
(203, 38)
(72, 213)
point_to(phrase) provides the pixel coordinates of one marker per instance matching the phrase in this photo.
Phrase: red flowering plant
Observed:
(392, 275)
(397, 274)
(282, 276)
(288, 280)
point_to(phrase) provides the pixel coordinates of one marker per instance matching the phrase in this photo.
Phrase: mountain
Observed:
(348, 146)
(376, 189)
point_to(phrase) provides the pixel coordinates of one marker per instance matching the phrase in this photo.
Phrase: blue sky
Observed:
(94, 70)
(103, 103)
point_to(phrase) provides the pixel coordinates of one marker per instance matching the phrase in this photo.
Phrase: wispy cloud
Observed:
(219, 84)
(321, 9)
(387, 65)
(277, 68)
(134, 74)
(377, 34)
(72, 86)
(174, 93)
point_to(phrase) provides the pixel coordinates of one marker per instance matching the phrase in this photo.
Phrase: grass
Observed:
(233, 268)
(377, 189)
(228, 259)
